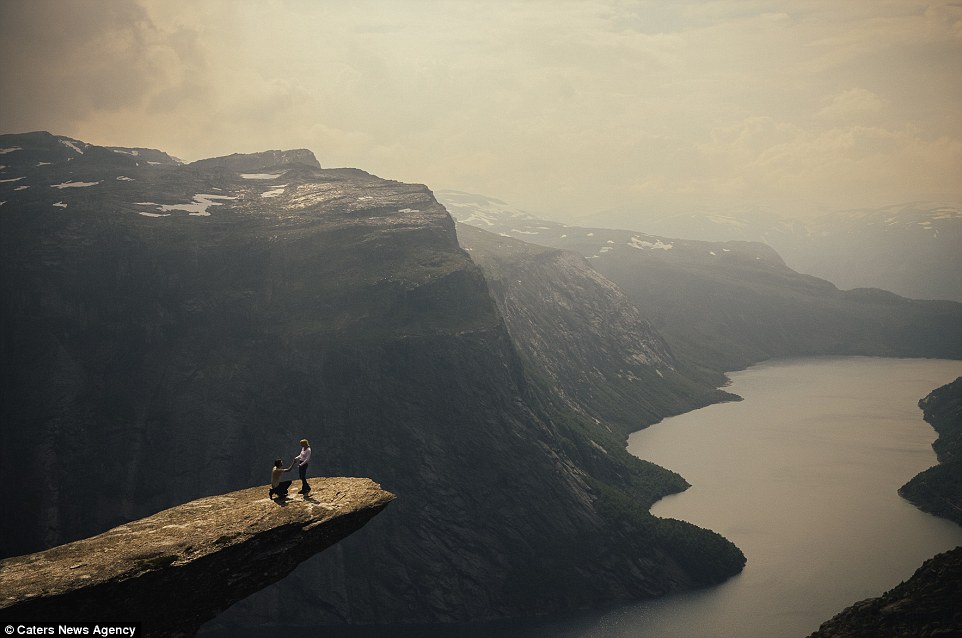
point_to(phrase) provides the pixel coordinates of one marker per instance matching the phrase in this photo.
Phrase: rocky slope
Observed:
(925, 605)
(175, 570)
(728, 305)
(169, 329)
(938, 490)
(583, 336)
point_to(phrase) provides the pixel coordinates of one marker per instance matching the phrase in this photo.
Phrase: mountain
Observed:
(582, 334)
(168, 329)
(914, 250)
(726, 305)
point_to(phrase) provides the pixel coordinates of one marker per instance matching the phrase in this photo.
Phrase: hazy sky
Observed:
(563, 107)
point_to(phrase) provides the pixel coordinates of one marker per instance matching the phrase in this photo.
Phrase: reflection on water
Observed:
(802, 476)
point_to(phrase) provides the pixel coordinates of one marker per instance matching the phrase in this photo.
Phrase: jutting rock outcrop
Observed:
(179, 568)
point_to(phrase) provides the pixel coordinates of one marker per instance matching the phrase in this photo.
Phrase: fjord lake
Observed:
(803, 476)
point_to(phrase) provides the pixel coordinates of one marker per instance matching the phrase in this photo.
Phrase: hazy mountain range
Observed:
(914, 250)
(725, 305)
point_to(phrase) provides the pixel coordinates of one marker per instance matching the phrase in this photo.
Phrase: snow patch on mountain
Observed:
(63, 185)
(477, 210)
(10, 149)
(275, 192)
(197, 208)
(12, 179)
(71, 145)
(261, 175)
(641, 244)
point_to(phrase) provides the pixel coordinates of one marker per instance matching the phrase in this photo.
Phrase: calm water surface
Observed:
(802, 476)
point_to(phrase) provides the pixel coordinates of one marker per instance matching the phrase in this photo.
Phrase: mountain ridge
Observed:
(911, 248)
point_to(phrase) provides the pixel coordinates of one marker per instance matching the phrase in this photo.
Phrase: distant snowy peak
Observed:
(904, 217)
(913, 249)
(480, 211)
(497, 217)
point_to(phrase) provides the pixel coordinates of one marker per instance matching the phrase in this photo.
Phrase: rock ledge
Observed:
(179, 568)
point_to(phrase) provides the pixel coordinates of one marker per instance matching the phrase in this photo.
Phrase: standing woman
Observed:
(302, 460)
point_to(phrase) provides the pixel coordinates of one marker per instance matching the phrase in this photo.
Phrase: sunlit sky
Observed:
(565, 108)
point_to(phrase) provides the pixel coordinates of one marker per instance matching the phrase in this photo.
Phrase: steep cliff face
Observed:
(582, 334)
(175, 570)
(168, 330)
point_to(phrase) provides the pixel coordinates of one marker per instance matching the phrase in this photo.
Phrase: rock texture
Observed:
(938, 490)
(584, 337)
(179, 568)
(925, 605)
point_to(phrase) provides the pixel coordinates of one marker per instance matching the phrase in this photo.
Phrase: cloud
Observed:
(854, 102)
(564, 106)
(64, 60)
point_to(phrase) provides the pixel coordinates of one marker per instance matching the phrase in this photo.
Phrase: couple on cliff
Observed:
(279, 487)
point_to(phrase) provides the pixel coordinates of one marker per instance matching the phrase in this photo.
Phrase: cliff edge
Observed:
(196, 559)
